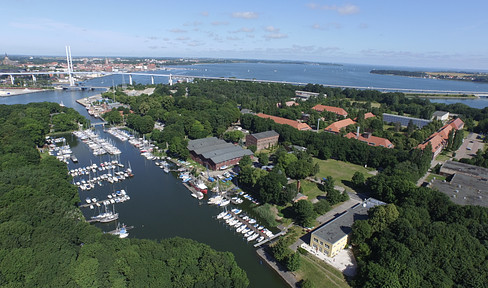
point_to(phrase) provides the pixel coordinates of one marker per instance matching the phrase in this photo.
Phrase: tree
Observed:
(293, 262)
(361, 231)
(358, 179)
(304, 213)
(321, 207)
(245, 161)
(253, 148)
(263, 158)
(233, 136)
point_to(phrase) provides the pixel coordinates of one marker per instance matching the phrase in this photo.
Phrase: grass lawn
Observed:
(320, 273)
(437, 177)
(341, 171)
(444, 156)
(310, 189)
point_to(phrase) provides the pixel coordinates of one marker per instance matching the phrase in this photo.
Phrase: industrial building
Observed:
(262, 140)
(466, 184)
(215, 153)
(332, 237)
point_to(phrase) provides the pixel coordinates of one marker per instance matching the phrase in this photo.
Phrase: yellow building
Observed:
(332, 237)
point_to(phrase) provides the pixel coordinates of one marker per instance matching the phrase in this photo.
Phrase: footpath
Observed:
(287, 276)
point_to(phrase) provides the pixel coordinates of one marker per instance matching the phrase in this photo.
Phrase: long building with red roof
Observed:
(438, 140)
(337, 126)
(293, 123)
(336, 110)
(370, 139)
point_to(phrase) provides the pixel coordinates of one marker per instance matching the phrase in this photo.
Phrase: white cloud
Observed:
(346, 9)
(245, 15)
(177, 30)
(194, 23)
(275, 36)
(271, 29)
(243, 30)
(219, 23)
(327, 26)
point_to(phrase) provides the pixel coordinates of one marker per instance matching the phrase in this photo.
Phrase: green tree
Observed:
(304, 213)
(263, 158)
(358, 179)
(293, 262)
(245, 161)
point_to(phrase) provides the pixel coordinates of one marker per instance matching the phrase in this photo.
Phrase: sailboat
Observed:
(107, 216)
(121, 231)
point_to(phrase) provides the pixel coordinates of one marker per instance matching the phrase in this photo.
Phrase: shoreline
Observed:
(7, 92)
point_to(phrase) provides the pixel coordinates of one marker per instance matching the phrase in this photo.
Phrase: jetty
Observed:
(118, 199)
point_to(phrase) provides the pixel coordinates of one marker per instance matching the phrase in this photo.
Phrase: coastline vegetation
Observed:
(45, 241)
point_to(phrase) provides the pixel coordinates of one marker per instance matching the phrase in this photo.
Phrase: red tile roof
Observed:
(366, 116)
(293, 123)
(336, 110)
(371, 140)
(439, 139)
(457, 123)
(337, 126)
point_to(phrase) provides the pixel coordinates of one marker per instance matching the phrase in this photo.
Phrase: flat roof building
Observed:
(332, 237)
(404, 120)
(468, 185)
(440, 115)
(262, 140)
(305, 94)
(215, 153)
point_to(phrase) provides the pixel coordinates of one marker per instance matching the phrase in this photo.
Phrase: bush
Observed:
(266, 213)
(321, 207)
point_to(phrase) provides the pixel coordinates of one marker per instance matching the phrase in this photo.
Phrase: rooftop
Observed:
(337, 126)
(216, 150)
(370, 139)
(465, 190)
(336, 110)
(451, 167)
(340, 226)
(293, 123)
(266, 134)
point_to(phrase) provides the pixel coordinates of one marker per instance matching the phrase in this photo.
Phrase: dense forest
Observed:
(45, 241)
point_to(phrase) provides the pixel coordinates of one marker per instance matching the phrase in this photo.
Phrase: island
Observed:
(460, 76)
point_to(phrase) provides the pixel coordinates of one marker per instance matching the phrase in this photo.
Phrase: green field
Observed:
(320, 273)
(310, 189)
(341, 171)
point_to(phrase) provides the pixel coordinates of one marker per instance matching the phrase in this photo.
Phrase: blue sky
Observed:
(437, 34)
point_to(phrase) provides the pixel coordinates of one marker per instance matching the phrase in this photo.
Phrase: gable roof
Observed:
(265, 134)
(293, 123)
(337, 126)
(457, 123)
(371, 140)
(336, 110)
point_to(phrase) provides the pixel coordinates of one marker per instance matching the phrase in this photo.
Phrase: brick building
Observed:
(262, 140)
(216, 153)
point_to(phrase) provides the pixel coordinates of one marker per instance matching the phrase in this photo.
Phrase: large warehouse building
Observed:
(215, 153)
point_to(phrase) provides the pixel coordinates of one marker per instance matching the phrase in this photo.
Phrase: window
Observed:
(321, 243)
(315, 240)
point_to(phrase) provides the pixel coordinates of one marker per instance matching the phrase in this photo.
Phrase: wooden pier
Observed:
(101, 202)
